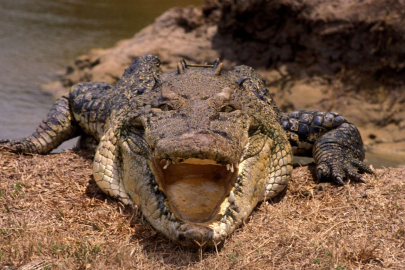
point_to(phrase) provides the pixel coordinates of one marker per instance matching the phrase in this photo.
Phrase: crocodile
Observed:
(197, 148)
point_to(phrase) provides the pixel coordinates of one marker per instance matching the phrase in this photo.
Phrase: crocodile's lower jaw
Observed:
(195, 188)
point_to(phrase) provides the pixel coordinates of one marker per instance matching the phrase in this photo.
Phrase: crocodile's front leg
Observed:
(56, 128)
(333, 142)
(82, 112)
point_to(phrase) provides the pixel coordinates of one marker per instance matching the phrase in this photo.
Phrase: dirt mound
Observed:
(363, 35)
(53, 215)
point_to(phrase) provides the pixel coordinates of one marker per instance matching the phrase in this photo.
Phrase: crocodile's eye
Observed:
(165, 107)
(136, 126)
(254, 127)
(228, 108)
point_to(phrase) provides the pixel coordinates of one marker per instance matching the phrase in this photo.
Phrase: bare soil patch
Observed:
(53, 216)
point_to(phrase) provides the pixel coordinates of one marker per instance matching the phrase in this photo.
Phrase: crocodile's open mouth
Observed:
(195, 188)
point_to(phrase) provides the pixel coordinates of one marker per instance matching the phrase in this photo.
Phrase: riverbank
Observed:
(53, 214)
(345, 57)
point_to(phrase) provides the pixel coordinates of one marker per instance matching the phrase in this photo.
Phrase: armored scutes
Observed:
(197, 148)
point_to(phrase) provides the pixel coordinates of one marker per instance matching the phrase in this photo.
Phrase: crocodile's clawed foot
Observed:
(12, 145)
(342, 168)
(6, 144)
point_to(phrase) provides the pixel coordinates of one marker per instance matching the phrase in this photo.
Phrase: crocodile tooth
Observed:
(237, 165)
(232, 167)
(167, 164)
(231, 197)
(236, 185)
(228, 167)
(156, 189)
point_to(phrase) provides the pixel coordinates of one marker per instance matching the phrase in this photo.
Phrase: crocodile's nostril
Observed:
(222, 133)
(202, 131)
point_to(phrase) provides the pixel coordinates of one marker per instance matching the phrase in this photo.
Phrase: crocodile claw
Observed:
(362, 167)
(362, 180)
(319, 173)
(339, 180)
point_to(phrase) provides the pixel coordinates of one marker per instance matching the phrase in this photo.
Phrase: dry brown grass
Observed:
(52, 213)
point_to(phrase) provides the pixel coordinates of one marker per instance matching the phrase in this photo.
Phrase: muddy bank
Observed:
(342, 56)
(53, 214)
